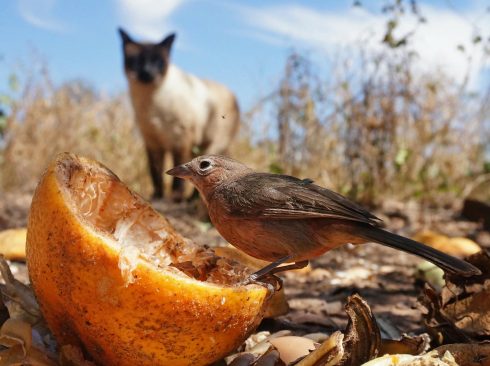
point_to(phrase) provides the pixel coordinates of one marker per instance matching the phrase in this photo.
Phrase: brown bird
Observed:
(280, 218)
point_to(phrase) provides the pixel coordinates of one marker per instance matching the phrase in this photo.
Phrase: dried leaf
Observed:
(441, 329)
(329, 353)
(12, 356)
(465, 302)
(460, 314)
(36, 357)
(363, 338)
(4, 313)
(270, 358)
(16, 292)
(361, 341)
(16, 332)
(256, 346)
(406, 345)
(465, 354)
(243, 359)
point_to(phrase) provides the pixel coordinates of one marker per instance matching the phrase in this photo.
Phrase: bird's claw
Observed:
(266, 280)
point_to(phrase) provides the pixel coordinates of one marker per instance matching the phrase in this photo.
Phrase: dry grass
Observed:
(46, 120)
(376, 128)
(371, 129)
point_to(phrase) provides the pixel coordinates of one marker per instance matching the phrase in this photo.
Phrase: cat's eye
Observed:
(155, 58)
(157, 61)
(131, 62)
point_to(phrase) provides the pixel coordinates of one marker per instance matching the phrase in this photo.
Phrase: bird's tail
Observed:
(442, 260)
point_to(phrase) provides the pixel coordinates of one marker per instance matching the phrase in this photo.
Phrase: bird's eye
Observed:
(204, 165)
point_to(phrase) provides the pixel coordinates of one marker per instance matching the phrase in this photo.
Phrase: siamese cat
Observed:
(177, 113)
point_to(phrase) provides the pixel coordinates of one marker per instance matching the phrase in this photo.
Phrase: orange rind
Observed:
(114, 278)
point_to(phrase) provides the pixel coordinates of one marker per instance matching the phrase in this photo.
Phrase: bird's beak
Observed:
(181, 171)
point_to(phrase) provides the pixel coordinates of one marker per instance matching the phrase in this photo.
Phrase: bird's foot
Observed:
(266, 275)
(274, 283)
(273, 268)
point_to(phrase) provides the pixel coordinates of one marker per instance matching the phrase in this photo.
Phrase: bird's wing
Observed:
(266, 196)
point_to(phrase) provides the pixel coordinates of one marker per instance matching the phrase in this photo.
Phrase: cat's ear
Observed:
(124, 36)
(168, 41)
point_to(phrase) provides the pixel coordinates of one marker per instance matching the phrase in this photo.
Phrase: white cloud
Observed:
(435, 41)
(147, 18)
(39, 14)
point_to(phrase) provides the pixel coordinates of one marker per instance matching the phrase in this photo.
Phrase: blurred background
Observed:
(378, 100)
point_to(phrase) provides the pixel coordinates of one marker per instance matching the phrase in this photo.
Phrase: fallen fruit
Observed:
(13, 244)
(113, 277)
(456, 246)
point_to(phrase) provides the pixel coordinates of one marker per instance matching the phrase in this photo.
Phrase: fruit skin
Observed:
(161, 318)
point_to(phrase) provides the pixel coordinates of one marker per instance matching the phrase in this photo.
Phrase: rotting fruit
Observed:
(114, 278)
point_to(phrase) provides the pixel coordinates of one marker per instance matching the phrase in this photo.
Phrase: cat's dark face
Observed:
(146, 62)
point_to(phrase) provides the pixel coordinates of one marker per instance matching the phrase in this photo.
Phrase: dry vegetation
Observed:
(46, 119)
(371, 128)
(377, 127)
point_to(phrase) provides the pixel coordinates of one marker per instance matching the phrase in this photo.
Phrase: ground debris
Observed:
(23, 334)
(359, 343)
(460, 312)
(411, 345)
(18, 297)
(362, 336)
(466, 354)
(316, 299)
(462, 354)
(428, 359)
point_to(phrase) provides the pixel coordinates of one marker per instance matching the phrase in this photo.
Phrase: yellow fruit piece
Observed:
(114, 278)
(457, 246)
(13, 243)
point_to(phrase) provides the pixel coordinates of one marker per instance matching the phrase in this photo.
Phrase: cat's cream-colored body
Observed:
(183, 115)
(184, 112)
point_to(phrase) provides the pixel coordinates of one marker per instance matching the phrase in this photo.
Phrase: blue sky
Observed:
(240, 43)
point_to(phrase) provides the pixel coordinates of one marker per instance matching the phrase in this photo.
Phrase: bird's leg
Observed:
(274, 268)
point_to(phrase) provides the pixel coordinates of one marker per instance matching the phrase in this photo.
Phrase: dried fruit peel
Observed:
(162, 317)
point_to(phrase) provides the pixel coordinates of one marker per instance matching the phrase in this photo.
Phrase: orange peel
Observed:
(114, 278)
